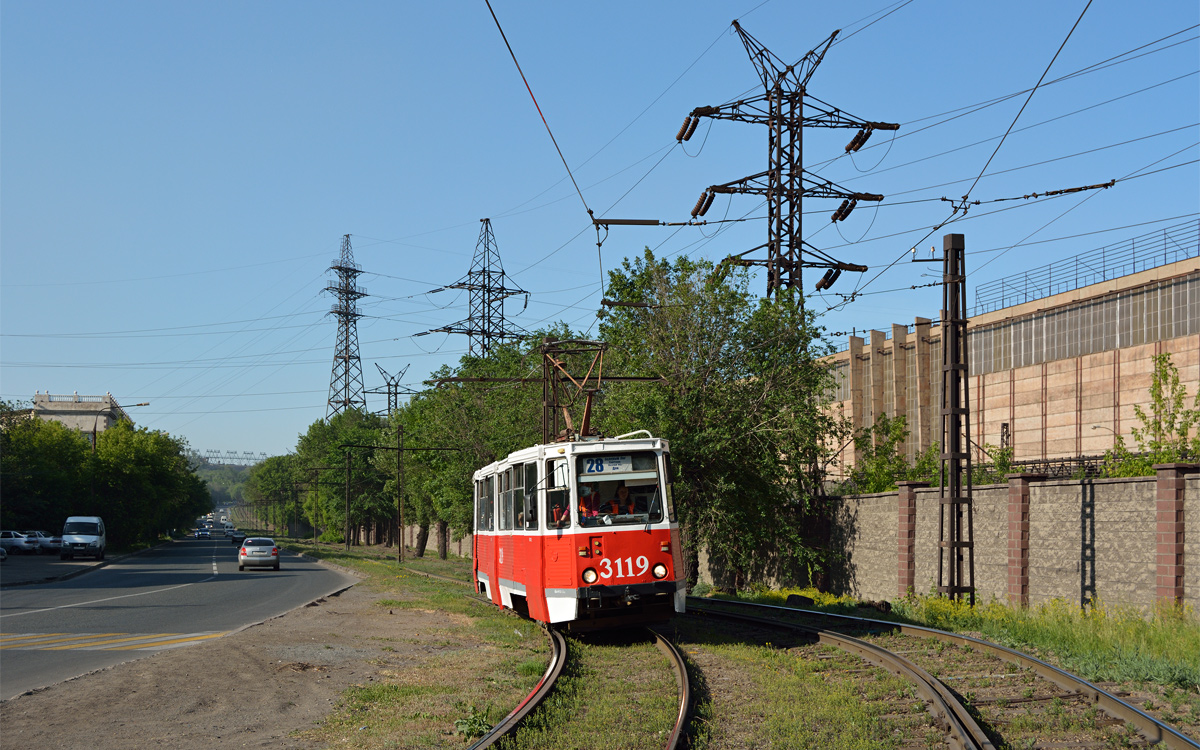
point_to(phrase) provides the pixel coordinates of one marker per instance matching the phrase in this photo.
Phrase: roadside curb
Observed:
(80, 571)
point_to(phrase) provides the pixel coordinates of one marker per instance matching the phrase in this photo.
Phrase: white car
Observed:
(15, 541)
(45, 542)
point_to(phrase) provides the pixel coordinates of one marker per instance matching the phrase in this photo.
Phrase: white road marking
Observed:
(106, 599)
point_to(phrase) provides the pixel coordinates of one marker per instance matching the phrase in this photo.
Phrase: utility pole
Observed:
(558, 398)
(785, 182)
(485, 323)
(347, 525)
(399, 492)
(346, 381)
(400, 449)
(956, 545)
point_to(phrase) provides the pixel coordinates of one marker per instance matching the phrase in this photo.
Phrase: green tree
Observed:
(1165, 435)
(43, 469)
(741, 402)
(322, 446)
(143, 484)
(881, 462)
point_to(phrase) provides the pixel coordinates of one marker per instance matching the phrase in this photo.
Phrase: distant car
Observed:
(236, 537)
(203, 534)
(258, 552)
(45, 542)
(15, 541)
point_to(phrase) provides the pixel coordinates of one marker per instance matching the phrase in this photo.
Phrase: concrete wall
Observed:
(865, 529)
(1086, 539)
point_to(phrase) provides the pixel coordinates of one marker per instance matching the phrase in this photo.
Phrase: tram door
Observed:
(528, 542)
(486, 542)
(505, 553)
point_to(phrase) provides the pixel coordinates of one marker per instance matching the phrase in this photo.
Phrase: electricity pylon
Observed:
(346, 382)
(785, 182)
(393, 388)
(485, 323)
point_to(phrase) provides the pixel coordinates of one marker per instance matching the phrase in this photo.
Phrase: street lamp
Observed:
(101, 413)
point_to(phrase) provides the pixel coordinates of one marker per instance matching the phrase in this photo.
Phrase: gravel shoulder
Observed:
(254, 688)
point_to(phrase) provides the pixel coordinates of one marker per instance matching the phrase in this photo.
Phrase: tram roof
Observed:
(597, 445)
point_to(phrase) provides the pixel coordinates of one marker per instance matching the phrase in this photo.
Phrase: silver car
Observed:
(258, 552)
(15, 541)
(45, 542)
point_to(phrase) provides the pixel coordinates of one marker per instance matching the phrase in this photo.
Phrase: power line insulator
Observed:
(708, 203)
(827, 280)
(699, 204)
(859, 140)
(682, 134)
(844, 210)
(691, 129)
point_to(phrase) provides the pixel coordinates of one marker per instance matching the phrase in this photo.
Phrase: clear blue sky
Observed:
(175, 178)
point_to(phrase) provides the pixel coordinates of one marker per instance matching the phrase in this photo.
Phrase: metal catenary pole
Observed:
(956, 545)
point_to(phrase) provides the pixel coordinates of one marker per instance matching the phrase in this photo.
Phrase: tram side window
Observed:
(479, 516)
(504, 511)
(488, 503)
(558, 494)
(530, 494)
(518, 497)
(667, 486)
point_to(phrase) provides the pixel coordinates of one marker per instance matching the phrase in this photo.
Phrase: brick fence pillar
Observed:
(1169, 532)
(1018, 536)
(906, 535)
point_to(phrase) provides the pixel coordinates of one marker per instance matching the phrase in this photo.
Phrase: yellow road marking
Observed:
(76, 637)
(12, 638)
(90, 644)
(164, 643)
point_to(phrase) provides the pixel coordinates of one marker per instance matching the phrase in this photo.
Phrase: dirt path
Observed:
(249, 689)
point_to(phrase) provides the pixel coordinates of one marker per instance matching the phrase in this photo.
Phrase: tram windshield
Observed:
(618, 489)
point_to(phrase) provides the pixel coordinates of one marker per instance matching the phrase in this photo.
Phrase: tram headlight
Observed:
(589, 575)
(659, 570)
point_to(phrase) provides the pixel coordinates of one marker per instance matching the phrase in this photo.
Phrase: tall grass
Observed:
(1100, 643)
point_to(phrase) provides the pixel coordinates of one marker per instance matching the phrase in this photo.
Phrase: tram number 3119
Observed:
(624, 567)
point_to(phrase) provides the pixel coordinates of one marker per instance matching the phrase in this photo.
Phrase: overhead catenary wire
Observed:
(1032, 91)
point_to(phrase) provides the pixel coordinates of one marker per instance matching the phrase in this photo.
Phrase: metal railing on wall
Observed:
(1151, 250)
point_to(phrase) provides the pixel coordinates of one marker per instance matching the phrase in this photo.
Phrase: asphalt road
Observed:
(178, 595)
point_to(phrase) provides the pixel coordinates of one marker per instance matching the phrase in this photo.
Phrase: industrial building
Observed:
(1059, 356)
(90, 415)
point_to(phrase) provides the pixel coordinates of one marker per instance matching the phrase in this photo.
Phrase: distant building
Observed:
(1058, 356)
(90, 415)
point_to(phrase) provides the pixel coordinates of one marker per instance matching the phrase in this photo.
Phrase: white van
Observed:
(83, 535)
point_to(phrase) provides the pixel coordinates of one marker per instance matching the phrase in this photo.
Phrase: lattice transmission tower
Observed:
(393, 388)
(486, 282)
(785, 182)
(346, 383)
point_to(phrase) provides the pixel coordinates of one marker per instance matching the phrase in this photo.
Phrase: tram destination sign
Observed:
(599, 465)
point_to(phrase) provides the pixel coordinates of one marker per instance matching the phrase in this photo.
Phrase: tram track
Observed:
(963, 732)
(510, 724)
(1012, 697)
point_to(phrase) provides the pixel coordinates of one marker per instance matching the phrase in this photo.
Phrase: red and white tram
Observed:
(581, 533)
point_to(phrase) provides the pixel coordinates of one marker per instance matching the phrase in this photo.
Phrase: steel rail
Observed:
(508, 725)
(679, 667)
(964, 733)
(1155, 731)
